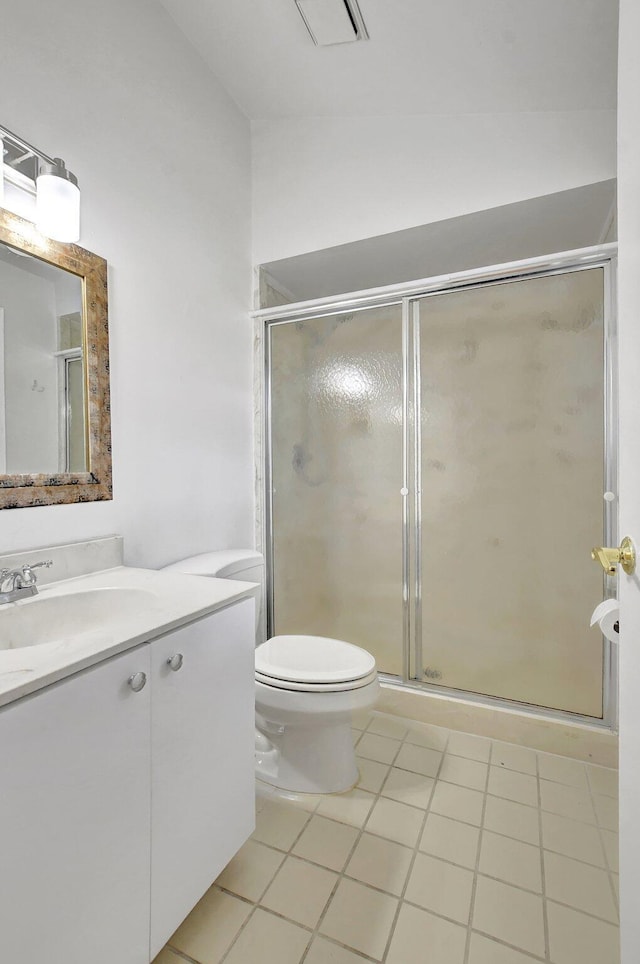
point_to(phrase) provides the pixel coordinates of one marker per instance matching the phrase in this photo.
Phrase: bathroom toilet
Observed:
(307, 688)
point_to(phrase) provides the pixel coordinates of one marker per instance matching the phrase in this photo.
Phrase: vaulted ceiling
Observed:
(423, 56)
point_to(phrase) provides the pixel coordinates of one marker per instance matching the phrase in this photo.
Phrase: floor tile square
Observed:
(418, 934)
(326, 842)
(360, 719)
(451, 840)
(394, 728)
(519, 787)
(459, 803)
(424, 734)
(575, 938)
(300, 891)
(603, 780)
(407, 787)
(561, 769)
(269, 940)
(567, 801)
(379, 748)
(396, 821)
(325, 952)
(611, 844)
(509, 914)
(581, 886)
(485, 951)
(166, 956)
(352, 807)
(512, 819)
(472, 747)
(440, 887)
(251, 870)
(360, 917)
(572, 838)
(510, 860)
(380, 863)
(419, 759)
(466, 773)
(278, 824)
(211, 927)
(513, 757)
(372, 774)
(606, 811)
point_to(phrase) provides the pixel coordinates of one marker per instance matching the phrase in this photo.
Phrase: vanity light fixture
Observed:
(57, 193)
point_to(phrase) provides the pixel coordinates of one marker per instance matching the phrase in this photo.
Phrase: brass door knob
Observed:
(625, 556)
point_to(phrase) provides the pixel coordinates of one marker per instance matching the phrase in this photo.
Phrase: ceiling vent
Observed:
(333, 21)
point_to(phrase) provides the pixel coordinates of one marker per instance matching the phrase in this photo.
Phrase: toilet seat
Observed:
(312, 661)
(316, 687)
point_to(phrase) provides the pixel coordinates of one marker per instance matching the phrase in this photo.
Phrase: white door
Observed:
(629, 380)
(74, 819)
(202, 759)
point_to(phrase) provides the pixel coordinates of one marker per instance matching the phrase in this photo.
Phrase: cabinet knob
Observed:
(138, 682)
(175, 662)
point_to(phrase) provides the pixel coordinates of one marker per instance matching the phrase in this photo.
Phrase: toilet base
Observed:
(307, 759)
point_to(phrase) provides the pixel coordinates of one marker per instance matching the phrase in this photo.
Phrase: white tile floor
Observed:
(452, 849)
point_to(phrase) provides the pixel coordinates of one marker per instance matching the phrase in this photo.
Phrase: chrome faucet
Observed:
(20, 583)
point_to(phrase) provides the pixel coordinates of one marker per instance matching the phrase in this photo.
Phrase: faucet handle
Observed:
(28, 577)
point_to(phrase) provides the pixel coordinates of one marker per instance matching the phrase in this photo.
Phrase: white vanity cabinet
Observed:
(202, 759)
(74, 819)
(101, 780)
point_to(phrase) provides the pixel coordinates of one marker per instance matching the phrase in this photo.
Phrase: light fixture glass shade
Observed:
(57, 202)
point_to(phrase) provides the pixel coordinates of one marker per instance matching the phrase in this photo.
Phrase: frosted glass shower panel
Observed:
(512, 384)
(336, 474)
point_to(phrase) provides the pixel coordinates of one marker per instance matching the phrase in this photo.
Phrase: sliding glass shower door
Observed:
(436, 472)
(511, 441)
(336, 435)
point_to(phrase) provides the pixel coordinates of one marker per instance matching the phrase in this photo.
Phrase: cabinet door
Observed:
(74, 819)
(202, 753)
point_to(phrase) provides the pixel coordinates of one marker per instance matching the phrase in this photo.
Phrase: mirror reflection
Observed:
(42, 394)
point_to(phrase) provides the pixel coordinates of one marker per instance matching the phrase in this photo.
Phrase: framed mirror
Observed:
(55, 425)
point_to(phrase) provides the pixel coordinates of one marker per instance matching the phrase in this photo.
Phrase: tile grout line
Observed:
(476, 871)
(360, 833)
(604, 850)
(181, 955)
(416, 851)
(256, 903)
(543, 880)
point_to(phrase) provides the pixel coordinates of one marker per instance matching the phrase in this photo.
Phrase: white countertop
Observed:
(173, 600)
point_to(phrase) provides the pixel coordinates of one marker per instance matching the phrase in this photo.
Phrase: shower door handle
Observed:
(610, 558)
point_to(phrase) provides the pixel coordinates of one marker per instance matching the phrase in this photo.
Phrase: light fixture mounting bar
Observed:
(5, 134)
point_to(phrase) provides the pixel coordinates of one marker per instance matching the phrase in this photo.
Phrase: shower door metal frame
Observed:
(408, 297)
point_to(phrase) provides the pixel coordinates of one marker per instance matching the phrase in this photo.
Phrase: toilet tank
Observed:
(246, 565)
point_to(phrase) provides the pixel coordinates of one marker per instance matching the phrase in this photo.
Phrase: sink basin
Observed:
(48, 619)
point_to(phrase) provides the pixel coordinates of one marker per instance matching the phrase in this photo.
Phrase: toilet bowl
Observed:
(307, 688)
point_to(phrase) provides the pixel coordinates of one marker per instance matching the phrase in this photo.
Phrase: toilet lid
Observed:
(282, 684)
(312, 659)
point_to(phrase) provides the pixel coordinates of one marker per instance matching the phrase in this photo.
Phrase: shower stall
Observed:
(440, 458)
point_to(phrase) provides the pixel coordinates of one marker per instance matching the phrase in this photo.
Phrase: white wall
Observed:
(323, 181)
(163, 159)
(629, 321)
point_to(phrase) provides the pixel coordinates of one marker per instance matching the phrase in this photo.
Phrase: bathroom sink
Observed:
(55, 619)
